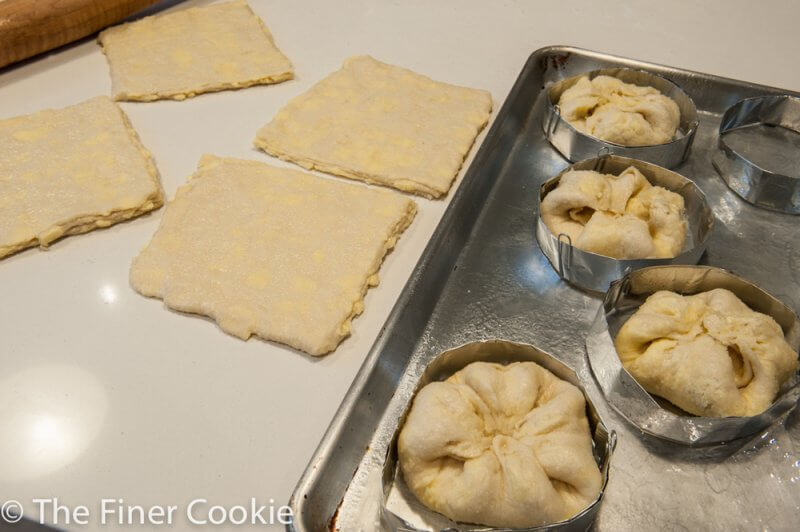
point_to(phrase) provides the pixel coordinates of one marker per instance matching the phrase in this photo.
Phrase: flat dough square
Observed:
(282, 254)
(191, 51)
(71, 170)
(380, 124)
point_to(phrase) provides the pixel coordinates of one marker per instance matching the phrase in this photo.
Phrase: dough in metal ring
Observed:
(500, 445)
(708, 353)
(624, 216)
(627, 114)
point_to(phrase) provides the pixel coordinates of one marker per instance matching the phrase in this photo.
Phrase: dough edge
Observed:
(404, 185)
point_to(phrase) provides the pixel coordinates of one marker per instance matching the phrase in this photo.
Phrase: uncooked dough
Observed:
(505, 446)
(380, 124)
(71, 170)
(278, 253)
(187, 52)
(708, 353)
(619, 112)
(623, 217)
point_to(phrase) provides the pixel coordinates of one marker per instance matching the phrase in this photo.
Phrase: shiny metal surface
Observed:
(401, 510)
(647, 413)
(594, 272)
(483, 276)
(576, 145)
(754, 182)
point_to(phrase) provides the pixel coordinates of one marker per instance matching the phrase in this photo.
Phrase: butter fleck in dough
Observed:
(500, 445)
(619, 112)
(623, 217)
(71, 170)
(381, 124)
(190, 51)
(278, 253)
(708, 353)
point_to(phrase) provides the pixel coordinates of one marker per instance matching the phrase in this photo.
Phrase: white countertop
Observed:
(106, 394)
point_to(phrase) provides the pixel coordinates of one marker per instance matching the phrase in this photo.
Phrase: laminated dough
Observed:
(624, 216)
(500, 445)
(707, 353)
(278, 253)
(619, 112)
(187, 52)
(71, 170)
(381, 124)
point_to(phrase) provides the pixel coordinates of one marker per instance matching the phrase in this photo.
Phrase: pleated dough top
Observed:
(500, 445)
(708, 353)
(619, 112)
(623, 217)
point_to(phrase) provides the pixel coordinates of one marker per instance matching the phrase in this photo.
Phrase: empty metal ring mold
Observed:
(757, 185)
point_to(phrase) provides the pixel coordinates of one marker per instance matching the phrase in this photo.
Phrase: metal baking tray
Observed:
(483, 276)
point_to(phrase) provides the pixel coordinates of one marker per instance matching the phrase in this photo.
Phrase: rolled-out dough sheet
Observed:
(380, 124)
(278, 253)
(184, 53)
(71, 170)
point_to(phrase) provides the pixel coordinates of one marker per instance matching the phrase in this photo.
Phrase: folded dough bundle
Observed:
(708, 353)
(500, 445)
(623, 217)
(610, 109)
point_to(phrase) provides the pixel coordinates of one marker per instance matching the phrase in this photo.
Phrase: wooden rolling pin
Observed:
(30, 27)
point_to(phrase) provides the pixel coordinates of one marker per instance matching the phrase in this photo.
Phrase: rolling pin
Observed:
(29, 27)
